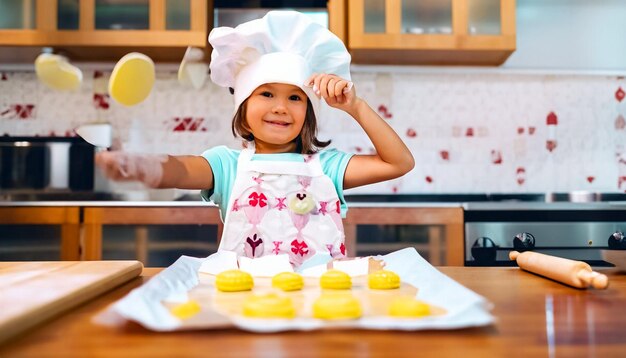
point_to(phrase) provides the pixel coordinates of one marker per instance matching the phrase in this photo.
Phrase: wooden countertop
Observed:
(536, 317)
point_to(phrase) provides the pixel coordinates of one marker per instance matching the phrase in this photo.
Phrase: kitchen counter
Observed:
(174, 204)
(536, 317)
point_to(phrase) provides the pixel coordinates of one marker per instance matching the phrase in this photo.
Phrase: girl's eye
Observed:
(295, 97)
(266, 94)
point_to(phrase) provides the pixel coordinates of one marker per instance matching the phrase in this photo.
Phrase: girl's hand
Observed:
(128, 167)
(336, 91)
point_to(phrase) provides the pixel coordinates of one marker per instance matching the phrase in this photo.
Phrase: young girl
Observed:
(281, 194)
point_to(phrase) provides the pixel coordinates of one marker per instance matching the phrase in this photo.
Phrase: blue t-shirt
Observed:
(223, 161)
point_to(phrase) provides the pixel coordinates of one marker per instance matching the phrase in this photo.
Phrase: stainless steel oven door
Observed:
(24, 165)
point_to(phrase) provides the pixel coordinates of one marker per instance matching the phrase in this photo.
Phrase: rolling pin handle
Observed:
(594, 279)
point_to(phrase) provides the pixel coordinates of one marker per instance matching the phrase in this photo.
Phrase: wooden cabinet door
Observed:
(149, 23)
(431, 31)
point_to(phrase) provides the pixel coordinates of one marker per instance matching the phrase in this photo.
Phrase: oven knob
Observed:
(617, 241)
(484, 250)
(524, 241)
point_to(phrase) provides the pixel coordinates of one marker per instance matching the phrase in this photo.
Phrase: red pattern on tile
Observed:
(469, 132)
(620, 122)
(429, 179)
(496, 156)
(101, 100)
(520, 130)
(551, 145)
(445, 155)
(520, 175)
(384, 112)
(411, 133)
(188, 124)
(590, 179)
(619, 94)
(552, 119)
(98, 74)
(531, 130)
(19, 111)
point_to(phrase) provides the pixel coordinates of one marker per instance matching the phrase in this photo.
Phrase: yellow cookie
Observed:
(132, 79)
(288, 281)
(269, 306)
(337, 306)
(186, 310)
(408, 307)
(335, 280)
(233, 281)
(383, 280)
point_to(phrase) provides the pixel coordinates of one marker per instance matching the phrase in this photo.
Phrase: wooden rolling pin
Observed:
(574, 273)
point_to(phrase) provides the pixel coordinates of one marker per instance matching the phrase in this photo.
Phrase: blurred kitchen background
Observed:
(550, 117)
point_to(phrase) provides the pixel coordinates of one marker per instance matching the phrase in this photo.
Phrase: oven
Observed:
(574, 230)
(41, 164)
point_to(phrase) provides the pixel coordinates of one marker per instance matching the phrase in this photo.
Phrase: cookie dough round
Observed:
(408, 307)
(383, 280)
(234, 281)
(288, 281)
(269, 305)
(335, 280)
(186, 310)
(337, 306)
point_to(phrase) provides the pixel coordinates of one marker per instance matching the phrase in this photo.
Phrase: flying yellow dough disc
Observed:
(132, 79)
(57, 73)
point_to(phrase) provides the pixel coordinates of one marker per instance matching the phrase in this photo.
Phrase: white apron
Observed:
(283, 208)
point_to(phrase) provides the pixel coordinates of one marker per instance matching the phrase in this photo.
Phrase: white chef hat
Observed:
(282, 47)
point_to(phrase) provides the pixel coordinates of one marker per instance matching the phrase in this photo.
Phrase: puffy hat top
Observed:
(282, 47)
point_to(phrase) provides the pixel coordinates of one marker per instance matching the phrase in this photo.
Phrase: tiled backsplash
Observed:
(478, 131)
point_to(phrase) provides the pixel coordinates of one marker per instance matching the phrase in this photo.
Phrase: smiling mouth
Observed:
(277, 123)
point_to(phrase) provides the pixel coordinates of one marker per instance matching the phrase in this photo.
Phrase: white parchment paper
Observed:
(464, 307)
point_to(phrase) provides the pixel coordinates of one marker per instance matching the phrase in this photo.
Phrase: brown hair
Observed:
(306, 141)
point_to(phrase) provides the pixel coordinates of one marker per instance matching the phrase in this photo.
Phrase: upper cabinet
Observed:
(439, 32)
(143, 23)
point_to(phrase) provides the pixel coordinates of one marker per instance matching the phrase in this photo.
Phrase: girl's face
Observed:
(275, 115)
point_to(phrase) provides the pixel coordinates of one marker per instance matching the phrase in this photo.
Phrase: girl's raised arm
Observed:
(392, 159)
(157, 171)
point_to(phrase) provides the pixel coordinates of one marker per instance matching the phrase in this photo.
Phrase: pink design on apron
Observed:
(281, 207)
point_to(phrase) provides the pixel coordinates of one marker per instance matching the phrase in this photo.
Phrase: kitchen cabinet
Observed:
(144, 223)
(468, 32)
(96, 23)
(444, 227)
(67, 217)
